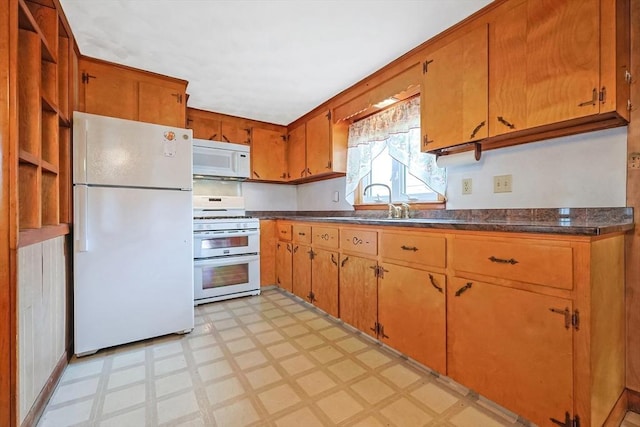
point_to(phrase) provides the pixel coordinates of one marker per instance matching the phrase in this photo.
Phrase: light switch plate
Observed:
(502, 184)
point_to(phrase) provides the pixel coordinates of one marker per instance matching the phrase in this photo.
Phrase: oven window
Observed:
(225, 242)
(225, 275)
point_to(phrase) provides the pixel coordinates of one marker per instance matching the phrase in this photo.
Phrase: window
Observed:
(385, 149)
(405, 187)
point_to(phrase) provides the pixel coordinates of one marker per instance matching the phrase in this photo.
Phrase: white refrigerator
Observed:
(133, 231)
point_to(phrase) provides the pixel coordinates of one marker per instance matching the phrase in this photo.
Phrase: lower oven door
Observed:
(208, 244)
(221, 278)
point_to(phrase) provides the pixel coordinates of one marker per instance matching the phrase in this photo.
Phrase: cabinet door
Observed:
(324, 280)
(106, 91)
(268, 242)
(508, 71)
(563, 60)
(411, 309)
(508, 345)
(455, 92)
(284, 265)
(296, 153)
(204, 127)
(232, 132)
(358, 293)
(319, 144)
(161, 105)
(301, 279)
(268, 157)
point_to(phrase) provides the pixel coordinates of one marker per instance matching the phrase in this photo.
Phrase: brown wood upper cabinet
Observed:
(218, 127)
(454, 94)
(297, 152)
(552, 62)
(317, 147)
(536, 70)
(112, 90)
(268, 155)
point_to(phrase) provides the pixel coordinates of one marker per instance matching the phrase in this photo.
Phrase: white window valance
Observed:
(398, 129)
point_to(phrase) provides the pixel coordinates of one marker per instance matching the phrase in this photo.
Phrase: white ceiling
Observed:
(269, 60)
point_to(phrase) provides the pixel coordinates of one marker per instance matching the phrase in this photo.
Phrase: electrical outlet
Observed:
(466, 186)
(502, 184)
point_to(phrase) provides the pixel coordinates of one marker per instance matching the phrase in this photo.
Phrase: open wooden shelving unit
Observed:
(44, 125)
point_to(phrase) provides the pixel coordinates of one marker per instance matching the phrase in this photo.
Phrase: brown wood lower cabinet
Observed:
(513, 347)
(358, 293)
(284, 265)
(324, 280)
(412, 313)
(301, 271)
(533, 322)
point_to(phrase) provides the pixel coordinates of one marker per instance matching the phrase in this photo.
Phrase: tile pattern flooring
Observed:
(269, 360)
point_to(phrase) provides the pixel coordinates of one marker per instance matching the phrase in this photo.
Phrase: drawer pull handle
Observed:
(289, 248)
(434, 284)
(301, 234)
(333, 260)
(463, 289)
(344, 261)
(356, 241)
(408, 248)
(324, 236)
(502, 260)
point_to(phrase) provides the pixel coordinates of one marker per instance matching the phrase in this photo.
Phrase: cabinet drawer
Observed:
(531, 262)
(301, 233)
(413, 247)
(284, 231)
(326, 237)
(360, 241)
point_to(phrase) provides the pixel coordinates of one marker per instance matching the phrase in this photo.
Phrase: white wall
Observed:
(319, 196)
(586, 170)
(269, 197)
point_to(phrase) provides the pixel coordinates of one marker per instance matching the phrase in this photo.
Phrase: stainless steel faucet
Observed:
(394, 212)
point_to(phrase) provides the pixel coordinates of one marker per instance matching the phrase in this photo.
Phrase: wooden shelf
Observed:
(29, 103)
(48, 167)
(26, 157)
(50, 201)
(63, 74)
(28, 22)
(49, 151)
(49, 83)
(44, 117)
(29, 196)
(31, 236)
(48, 104)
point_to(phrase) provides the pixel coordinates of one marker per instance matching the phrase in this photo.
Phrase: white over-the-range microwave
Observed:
(220, 159)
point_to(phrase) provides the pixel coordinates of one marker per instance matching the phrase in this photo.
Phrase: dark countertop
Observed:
(565, 221)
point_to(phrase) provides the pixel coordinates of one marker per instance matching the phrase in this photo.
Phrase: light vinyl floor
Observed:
(269, 360)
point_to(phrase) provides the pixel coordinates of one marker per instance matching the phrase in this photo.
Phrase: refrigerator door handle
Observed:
(81, 218)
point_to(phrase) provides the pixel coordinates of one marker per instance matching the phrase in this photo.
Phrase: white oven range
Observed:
(226, 253)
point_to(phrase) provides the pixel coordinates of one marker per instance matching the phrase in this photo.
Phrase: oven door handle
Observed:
(225, 260)
(228, 233)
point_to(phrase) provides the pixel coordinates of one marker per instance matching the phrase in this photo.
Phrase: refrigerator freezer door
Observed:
(135, 279)
(117, 152)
